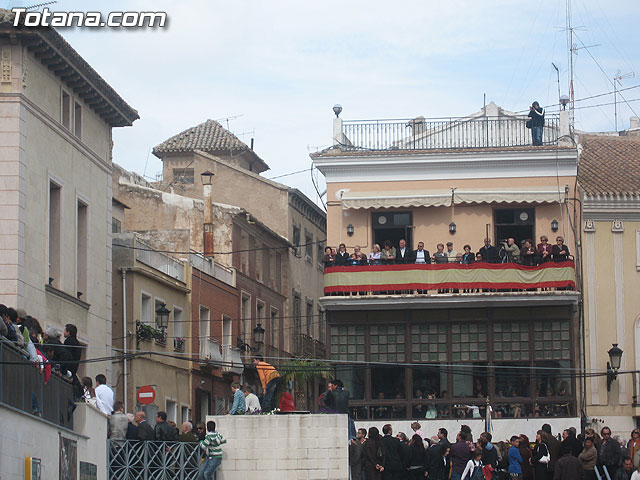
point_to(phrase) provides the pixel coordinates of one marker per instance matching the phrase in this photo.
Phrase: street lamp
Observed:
(337, 108)
(207, 177)
(162, 317)
(613, 365)
(258, 339)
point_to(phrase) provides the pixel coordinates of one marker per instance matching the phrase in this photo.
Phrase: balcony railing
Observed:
(210, 351)
(135, 460)
(22, 386)
(428, 134)
(309, 347)
(231, 360)
(449, 278)
(161, 262)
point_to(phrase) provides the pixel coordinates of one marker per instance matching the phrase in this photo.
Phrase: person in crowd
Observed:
(132, 429)
(528, 254)
(559, 252)
(403, 254)
(374, 455)
(420, 255)
(388, 254)
(405, 449)
(609, 452)
(515, 459)
(342, 257)
(489, 451)
(473, 468)
(451, 253)
(511, 250)
(555, 448)
(74, 347)
(568, 467)
(104, 395)
(588, 458)
(89, 393)
(570, 442)
(361, 257)
(201, 430)
(212, 446)
(466, 429)
(540, 456)
(460, 455)
(417, 430)
(489, 252)
(524, 446)
(328, 259)
(479, 258)
(287, 404)
(163, 432)
(270, 379)
(597, 440)
(6, 325)
(442, 437)
(251, 400)
(543, 249)
(392, 466)
(118, 422)
(536, 123)
(468, 257)
(625, 471)
(186, 433)
(357, 454)
(374, 257)
(636, 474)
(239, 406)
(440, 256)
(417, 460)
(440, 462)
(458, 258)
(145, 431)
(633, 447)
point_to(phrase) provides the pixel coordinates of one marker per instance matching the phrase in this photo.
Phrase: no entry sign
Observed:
(146, 395)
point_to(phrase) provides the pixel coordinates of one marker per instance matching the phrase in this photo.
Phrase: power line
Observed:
(287, 174)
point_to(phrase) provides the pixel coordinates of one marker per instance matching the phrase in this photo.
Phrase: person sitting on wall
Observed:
(489, 252)
(270, 379)
(560, 252)
(328, 260)
(388, 254)
(403, 254)
(342, 257)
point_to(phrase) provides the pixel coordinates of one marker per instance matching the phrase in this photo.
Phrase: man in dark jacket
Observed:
(568, 468)
(393, 455)
(489, 452)
(489, 252)
(145, 431)
(356, 454)
(536, 115)
(609, 452)
(625, 471)
(163, 431)
(460, 455)
(73, 347)
(403, 254)
(571, 444)
(554, 446)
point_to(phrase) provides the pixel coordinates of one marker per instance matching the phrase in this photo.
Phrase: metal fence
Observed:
(22, 386)
(136, 460)
(428, 134)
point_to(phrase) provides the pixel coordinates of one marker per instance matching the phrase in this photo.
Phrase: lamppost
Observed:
(258, 340)
(613, 365)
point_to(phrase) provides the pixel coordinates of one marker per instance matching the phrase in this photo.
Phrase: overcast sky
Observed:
(276, 68)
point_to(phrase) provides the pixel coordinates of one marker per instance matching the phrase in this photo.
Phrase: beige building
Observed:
(56, 116)
(609, 183)
(284, 210)
(145, 281)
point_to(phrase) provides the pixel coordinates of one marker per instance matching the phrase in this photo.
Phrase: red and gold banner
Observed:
(496, 276)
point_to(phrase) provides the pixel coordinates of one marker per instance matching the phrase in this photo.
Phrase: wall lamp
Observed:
(554, 225)
(350, 230)
(613, 365)
(452, 228)
(258, 339)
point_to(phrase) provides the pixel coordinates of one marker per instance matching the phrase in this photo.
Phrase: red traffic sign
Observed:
(146, 394)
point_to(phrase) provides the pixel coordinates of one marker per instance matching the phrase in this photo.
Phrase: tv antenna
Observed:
(617, 81)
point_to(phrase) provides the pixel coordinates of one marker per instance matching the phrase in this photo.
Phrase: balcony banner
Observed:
(494, 276)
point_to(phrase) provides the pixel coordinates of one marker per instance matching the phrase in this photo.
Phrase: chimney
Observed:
(207, 187)
(564, 124)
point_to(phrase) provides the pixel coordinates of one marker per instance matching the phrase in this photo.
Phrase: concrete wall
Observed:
(24, 436)
(276, 447)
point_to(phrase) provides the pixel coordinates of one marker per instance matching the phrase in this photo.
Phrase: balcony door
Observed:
(518, 223)
(393, 226)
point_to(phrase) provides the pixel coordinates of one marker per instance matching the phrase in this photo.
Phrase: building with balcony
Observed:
(152, 327)
(441, 341)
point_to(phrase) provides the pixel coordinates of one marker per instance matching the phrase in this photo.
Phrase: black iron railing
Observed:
(136, 460)
(22, 386)
(449, 133)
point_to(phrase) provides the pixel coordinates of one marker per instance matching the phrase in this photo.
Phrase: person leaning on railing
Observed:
(560, 252)
(375, 256)
(342, 257)
(328, 259)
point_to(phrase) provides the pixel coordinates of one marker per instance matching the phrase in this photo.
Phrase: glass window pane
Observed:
(353, 378)
(387, 382)
(470, 381)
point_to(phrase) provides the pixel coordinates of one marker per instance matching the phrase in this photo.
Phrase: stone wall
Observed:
(290, 447)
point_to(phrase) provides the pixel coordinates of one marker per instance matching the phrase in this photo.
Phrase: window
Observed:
(309, 318)
(297, 318)
(274, 331)
(184, 414)
(81, 250)
(296, 238)
(183, 175)
(172, 410)
(245, 316)
(77, 119)
(55, 215)
(321, 324)
(145, 309)
(260, 307)
(227, 331)
(205, 329)
(308, 246)
(66, 110)
(116, 225)
(319, 255)
(178, 323)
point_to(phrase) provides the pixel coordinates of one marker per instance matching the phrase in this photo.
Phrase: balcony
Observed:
(22, 387)
(310, 348)
(210, 352)
(159, 261)
(453, 279)
(231, 360)
(443, 133)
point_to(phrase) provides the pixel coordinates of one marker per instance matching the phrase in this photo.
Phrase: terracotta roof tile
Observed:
(209, 136)
(609, 165)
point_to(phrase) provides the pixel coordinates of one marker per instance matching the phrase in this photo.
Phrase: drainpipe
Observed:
(207, 240)
(124, 334)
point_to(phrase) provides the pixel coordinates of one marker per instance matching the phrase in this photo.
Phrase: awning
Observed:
(442, 198)
(508, 196)
(396, 199)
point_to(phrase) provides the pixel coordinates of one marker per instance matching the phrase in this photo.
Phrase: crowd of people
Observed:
(45, 349)
(525, 254)
(570, 457)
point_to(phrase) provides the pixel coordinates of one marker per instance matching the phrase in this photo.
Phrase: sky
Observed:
(272, 70)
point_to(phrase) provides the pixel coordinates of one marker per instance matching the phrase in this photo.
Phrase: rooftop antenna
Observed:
(558, 75)
(617, 81)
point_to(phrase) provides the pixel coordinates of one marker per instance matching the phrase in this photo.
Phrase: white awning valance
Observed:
(396, 199)
(443, 198)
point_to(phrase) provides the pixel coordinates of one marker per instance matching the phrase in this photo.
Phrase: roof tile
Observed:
(209, 136)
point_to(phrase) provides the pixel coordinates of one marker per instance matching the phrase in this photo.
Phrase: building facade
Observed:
(447, 341)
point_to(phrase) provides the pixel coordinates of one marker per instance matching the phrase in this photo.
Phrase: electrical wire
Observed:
(287, 174)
